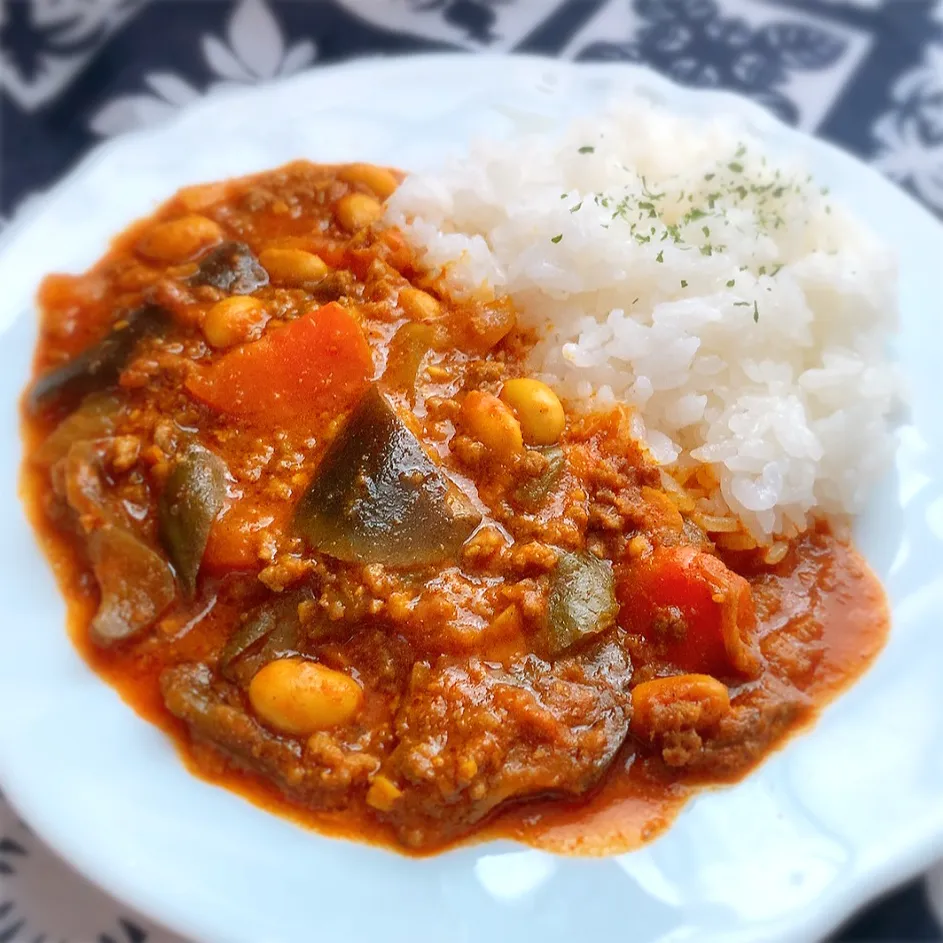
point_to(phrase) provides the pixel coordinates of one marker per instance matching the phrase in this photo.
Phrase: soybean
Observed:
(538, 409)
(299, 697)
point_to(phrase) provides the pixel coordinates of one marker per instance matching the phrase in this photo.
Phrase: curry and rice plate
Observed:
(507, 499)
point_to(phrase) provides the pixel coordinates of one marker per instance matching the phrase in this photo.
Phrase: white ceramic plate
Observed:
(842, 813)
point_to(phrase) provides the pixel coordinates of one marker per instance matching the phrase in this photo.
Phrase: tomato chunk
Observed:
(697, 612)
(313, 368)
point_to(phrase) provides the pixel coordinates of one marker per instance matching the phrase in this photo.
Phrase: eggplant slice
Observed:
(231, 267)
(378, 498)
(192, 498)
(99, 366)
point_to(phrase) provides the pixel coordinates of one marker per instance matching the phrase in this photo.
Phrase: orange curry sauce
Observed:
(488, 705)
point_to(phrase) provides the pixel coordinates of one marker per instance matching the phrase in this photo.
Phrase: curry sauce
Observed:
(314, 518)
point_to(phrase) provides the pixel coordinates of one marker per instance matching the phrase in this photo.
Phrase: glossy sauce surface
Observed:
(434, 642)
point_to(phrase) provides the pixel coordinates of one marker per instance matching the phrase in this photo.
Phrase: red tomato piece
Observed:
(714, 634)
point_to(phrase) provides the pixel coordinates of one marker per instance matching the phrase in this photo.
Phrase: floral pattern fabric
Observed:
(866, 74)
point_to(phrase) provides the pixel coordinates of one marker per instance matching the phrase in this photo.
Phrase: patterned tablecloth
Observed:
(867, 74)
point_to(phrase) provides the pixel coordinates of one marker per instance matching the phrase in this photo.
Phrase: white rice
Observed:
(674, 266)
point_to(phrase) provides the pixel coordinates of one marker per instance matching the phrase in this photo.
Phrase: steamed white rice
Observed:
(676, 267)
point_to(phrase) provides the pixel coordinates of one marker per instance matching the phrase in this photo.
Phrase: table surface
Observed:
(866, 74)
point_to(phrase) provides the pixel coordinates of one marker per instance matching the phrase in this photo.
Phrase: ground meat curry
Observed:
(315, 518)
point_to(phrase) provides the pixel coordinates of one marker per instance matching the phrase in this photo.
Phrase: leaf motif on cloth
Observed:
(256, 39)
(800, 45)
(44, 44)
(700, 43)
(42, 898)
(254, 49)
(909, 135)
(132, 111)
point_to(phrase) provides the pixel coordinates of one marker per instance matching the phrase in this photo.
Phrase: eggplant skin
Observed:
(192, 499)
(377, 497)
(136, 585)
(98, 366)
(95, 418)
(231, 267)
(272, 630)
(582, 600)
(532, 492)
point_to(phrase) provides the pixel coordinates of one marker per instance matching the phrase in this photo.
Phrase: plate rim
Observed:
(215, 97)
(915, 854)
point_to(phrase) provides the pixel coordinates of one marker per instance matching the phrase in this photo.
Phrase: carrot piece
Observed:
(316, 366)
(237, 535)
(714, 634)
(233, 544)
